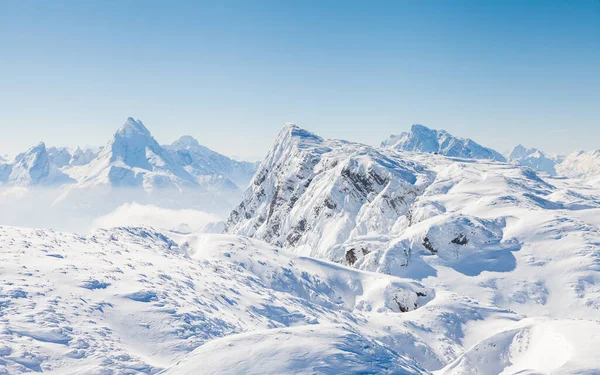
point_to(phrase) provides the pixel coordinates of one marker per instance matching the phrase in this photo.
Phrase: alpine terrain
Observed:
(428, 255)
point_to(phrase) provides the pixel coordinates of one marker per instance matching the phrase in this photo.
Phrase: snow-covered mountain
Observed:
(59, 156)
(533, 158)
(341, 258)
(131, 168)
(314, 193)
(83, 156)
(423, 139)
(495, 232)
(203, 163)
(581, 164)
(133, 158)
(33, 167)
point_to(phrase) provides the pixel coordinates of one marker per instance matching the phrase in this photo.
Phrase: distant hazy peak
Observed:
(186, 141)
(423, 139)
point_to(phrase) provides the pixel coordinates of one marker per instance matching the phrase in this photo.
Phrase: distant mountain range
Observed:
(131, 159)
(422, 139)
(134, 159)
(429, 255)
(579, 164)
(535, 159)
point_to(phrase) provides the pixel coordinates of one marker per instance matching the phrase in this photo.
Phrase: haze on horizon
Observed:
(232, 73)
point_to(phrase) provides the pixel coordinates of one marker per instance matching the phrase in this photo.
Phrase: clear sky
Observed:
(231, 73)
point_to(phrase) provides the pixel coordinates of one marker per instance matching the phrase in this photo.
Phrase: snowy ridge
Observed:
(83, 156)
(549, 347)
(533, 158)
(326, 349)
(33, 167)
(312, 194)
(201, 162)
(133, 158)
(581, 164)
(422, 139)
(59, 156)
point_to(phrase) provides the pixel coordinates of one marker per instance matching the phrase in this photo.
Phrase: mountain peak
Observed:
(417, 128)
(423, 139)
(519, 151)
(40, 147)
(132, 127)
(291, 130)
(533, 158)
(186, 141)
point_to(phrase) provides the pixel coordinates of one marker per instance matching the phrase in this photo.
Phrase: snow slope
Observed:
(132, 300)
(581, 164)
(541, 346)
(422, 139)
(326, 349)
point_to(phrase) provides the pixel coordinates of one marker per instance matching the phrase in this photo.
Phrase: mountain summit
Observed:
(423, 139)
(133, 158)
(533, 158)
(33, 167)
(133, 127)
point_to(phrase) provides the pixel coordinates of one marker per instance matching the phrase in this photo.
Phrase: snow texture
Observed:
(341, 258)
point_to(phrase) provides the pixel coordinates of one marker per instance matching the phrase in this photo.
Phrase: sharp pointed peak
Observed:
(294, 131)
(41, 146)
(133, 126)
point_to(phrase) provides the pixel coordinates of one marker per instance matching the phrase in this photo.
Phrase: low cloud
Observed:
(134, 214)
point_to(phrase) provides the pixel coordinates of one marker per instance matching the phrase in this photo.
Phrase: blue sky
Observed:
(231, 73)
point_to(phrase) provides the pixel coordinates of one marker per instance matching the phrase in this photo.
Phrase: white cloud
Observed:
(132, 214)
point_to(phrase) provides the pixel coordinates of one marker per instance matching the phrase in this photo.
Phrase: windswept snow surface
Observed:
(132, 300)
